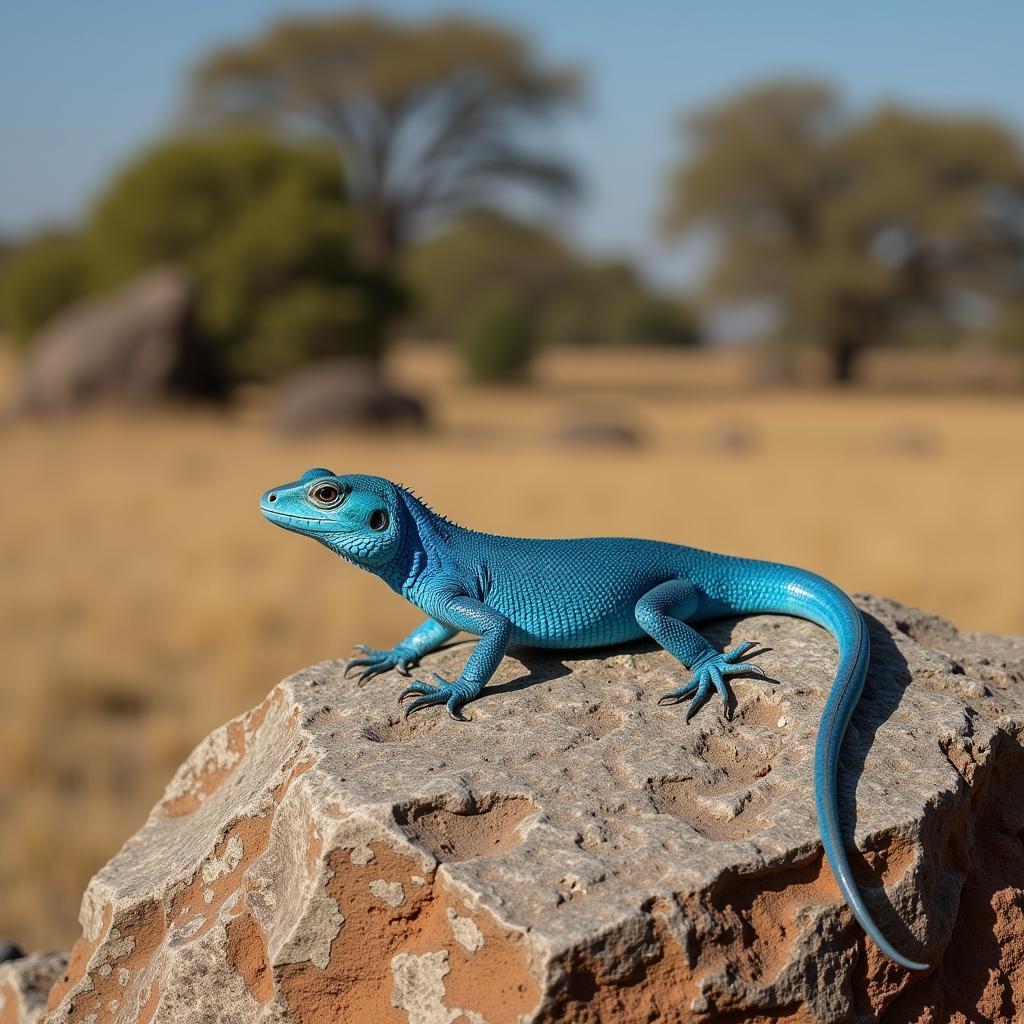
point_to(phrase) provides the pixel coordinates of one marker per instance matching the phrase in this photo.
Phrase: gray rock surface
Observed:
(587, 431)
(24, 984)
(577, 853)
(133, 345)
(336, 393)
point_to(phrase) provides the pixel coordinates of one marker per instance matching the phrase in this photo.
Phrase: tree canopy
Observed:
(430, 117)
(860, 231)
(570, 299)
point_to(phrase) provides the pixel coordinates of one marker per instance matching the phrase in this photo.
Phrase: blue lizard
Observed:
(588, 592)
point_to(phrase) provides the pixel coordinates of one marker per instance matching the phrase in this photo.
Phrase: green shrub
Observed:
(39, 280)
(308, 322)
(577, 301)
(287, 264)
(482, 254)
(267, 230)
(178, 198)
(641, 318)
(1009, 329)
(497, 339)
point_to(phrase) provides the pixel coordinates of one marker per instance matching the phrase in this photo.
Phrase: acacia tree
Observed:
(857, 231)
(430, 117)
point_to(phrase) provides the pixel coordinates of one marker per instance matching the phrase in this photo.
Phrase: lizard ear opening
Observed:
(379, 519)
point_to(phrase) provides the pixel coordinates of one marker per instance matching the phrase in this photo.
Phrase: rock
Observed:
(589, 432)
(342, 393)
(134, 345)
(24, 984)
(731, 438)
(577, 853)
(770, 367)
(9, 951)
(912, 441)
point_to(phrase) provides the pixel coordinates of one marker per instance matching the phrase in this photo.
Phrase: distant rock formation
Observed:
(338, 393)
(577, 853)
(594, 432)
(132, 346)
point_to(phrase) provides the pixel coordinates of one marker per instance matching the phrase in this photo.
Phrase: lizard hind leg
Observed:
(660, 613)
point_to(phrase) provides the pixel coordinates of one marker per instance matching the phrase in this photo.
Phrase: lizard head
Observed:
(358, 517)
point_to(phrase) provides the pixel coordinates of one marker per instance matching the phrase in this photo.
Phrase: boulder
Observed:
(595, 432)
(342, 393)
(131, 346)
(578, 853)
(731, 438)
(10, 951)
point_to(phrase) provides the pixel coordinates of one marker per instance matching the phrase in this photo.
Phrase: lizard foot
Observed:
(452, 695)
(377, 661)
(712, 673)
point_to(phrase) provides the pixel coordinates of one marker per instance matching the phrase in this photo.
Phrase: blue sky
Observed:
(84, 84)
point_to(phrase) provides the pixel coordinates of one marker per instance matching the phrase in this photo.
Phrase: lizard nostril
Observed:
(272, 497)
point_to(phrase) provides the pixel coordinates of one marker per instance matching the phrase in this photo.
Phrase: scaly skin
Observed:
(577, 593)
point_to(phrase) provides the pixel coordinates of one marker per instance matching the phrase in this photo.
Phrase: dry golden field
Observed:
(143, 600)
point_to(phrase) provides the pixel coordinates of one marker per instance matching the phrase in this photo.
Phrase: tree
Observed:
(497, 338)
(485, 253)
(608, 303)
(428, 117)
(572, 299)
(859, 232)
(266, 229)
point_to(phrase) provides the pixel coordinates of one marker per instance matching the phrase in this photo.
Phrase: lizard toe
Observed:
(426, 701)
(453, 694)
(738, 651)
(675, 696)
(700, 698)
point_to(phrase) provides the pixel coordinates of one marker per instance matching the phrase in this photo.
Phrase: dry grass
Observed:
(144, 600)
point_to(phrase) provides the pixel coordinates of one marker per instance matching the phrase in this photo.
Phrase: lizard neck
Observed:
(425, 550)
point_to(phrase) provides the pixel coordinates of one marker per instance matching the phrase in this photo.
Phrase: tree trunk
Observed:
(379, 242)
(379, 248)
(844, 350)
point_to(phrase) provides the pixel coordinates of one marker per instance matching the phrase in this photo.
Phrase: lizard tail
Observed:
(810, 597)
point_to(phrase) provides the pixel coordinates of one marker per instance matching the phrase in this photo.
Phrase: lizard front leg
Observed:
(461, 612)
(405, 654)
(660, 613)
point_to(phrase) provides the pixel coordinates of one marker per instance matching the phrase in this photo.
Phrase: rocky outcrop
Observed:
(342, 393)
(577, 853)
(133, 346)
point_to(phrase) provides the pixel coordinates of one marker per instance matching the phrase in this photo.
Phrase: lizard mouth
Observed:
(317, 524)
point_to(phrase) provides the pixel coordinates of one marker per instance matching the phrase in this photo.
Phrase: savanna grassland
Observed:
(143, 600)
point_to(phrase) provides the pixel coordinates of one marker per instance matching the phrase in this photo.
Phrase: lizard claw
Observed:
(378, 661)
(713, 674)
(675, 696)
(737, 652)
(452, 694)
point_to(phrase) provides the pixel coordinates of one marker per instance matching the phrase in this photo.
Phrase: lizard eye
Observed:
(379, 520)
(325, 495)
